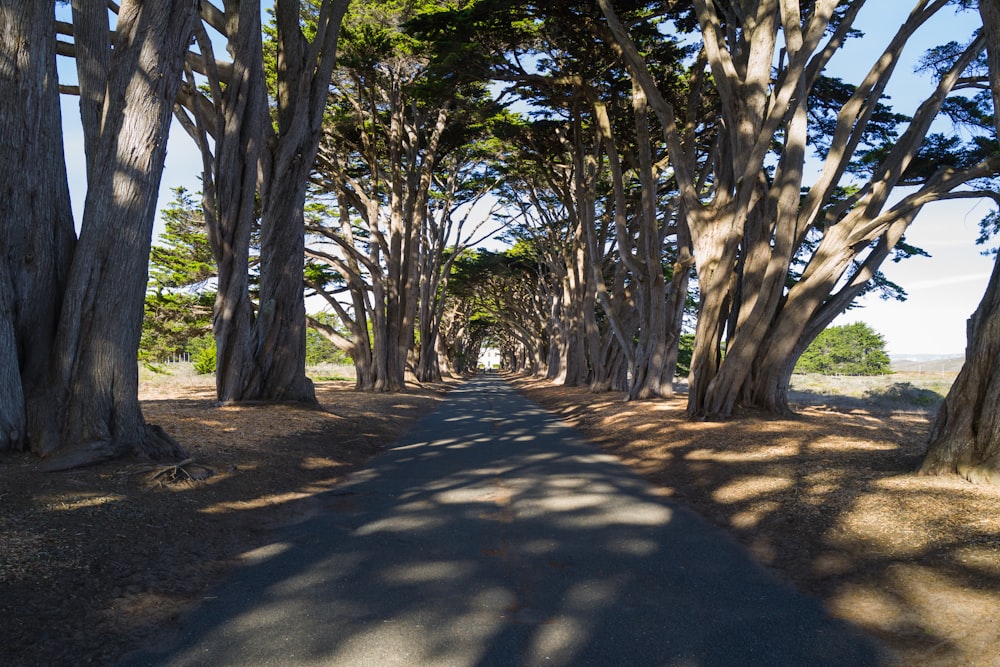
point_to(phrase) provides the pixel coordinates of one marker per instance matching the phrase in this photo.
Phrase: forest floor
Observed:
(99, 561)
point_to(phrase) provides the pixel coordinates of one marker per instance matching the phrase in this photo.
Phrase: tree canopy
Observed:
(850, 349)
(660, 170)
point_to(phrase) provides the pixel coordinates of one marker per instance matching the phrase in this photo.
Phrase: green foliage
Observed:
(182, 257)
(202, 350)
(319, 348)
(178, 303)
(170, 320)
(685, 350)
(852, 349)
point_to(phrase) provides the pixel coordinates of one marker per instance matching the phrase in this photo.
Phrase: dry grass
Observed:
(830, 501)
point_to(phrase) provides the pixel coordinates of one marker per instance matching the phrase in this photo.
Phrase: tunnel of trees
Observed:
(656, 169)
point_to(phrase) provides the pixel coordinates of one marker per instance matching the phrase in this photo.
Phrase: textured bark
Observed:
(758, 226)
(36, 224)
(304, 71)
(652, 345)
(227, 125)
(965, 437)
(262, 357)
(239, 125)
(91, 28)
(101, 319)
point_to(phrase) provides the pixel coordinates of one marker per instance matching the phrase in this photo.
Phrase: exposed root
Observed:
(182, 471)
(87, 454)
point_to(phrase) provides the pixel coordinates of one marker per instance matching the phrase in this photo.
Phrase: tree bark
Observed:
(304, 71)
(101, 319)
(36, 224)
(759, 225)
(234, 119)
(965, 437)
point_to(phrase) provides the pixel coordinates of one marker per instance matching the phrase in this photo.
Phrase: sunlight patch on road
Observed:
(400, 524)
(591, 512)
(560, 636)
(264, 553)
(427, 573)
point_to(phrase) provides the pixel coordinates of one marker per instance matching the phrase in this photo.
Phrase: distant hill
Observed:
(927, 363)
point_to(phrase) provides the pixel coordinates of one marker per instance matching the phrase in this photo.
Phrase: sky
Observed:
(943, 290)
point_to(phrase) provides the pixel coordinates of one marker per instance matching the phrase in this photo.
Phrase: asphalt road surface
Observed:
(493, 535)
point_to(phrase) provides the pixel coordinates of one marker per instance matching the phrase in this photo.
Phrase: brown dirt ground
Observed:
(98, 561)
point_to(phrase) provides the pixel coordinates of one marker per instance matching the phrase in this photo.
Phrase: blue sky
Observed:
(943, 290)
(946, 288)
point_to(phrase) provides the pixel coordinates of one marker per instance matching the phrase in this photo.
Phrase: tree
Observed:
(179, 299)
(851, 349)
(499, 296)
(403, 160)
(778, 258)
(965, 436)
(590, 177)
(77, 394)
(36, 225)
(261, 356)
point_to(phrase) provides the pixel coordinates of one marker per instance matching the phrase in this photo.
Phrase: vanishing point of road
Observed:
(493, 535)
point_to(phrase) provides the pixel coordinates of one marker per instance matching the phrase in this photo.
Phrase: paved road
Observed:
(492, 535)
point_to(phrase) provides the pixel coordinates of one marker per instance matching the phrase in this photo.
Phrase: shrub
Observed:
(685, 350)
(900, 394)
(202, 350)
(853, 349)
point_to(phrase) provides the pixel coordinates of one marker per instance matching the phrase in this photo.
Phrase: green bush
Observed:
(685, 350)
(853, 349)
(202, 350)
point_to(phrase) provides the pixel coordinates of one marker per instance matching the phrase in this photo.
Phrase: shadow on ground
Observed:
(828, 499)
(493, 536)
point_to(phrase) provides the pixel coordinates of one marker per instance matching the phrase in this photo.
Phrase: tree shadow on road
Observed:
(829, 500)
(492, 536)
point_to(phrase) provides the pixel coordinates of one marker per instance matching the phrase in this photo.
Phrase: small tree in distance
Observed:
(181, 289)
(851, 349)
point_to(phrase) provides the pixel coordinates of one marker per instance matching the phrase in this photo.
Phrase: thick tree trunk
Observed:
(304, 71)
(716, 250)
(280, 360)
(101, 319)
(239, 133)
(652, 346)
(965, 438)
(36, 224)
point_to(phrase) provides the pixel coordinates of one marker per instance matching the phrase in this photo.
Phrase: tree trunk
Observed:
(965, 438)
(101, 319)
(230, 186)
(280, 360)
(304, 71)
(36, 224)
